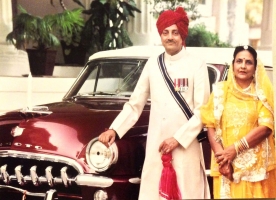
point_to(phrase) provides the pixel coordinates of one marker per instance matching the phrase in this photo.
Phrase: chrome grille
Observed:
(38, 172)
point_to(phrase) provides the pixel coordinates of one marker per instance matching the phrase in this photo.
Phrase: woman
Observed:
(240, 121)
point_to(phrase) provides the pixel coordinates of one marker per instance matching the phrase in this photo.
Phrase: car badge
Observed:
(181, 84)
(17, 131)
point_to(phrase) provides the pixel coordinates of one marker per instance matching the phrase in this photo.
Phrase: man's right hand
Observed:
(107, 137)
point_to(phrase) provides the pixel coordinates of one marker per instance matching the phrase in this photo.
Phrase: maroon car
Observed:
(51, 151)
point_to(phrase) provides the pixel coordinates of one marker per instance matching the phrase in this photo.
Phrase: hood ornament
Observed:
(37, 109)
(17, 131)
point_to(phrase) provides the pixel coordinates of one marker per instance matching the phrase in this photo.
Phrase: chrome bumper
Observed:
(49, 195)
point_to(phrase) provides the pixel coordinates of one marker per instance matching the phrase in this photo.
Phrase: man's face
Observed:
(171, 40)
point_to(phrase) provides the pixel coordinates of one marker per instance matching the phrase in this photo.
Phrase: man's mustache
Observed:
(170, 41)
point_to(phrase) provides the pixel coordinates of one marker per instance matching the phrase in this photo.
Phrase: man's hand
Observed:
(168, 145)
(107, 137)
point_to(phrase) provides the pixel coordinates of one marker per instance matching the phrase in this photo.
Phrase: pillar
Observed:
(266, 25)
(13, 62)
(238, 29)
(141, 28)
(220, 13)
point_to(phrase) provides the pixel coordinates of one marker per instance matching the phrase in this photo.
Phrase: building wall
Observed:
(20, 92)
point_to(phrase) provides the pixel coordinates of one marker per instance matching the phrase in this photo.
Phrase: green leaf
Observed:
(107, 40)
(125, 37)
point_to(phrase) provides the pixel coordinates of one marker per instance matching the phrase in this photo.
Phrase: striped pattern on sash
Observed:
(176, 94)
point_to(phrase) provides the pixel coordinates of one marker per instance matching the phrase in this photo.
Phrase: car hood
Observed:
(68, 127)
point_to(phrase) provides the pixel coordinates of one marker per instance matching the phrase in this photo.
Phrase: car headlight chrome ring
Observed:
(99, 157)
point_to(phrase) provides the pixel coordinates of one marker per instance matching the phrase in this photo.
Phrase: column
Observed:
(13, 62)
(142, 29)
(266, 25)
(238, 29)
(220, 13)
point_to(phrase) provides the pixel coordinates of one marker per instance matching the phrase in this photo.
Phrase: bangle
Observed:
(245, 142)
(241, 145)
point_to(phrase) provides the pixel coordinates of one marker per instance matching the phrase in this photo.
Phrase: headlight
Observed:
(99, 157)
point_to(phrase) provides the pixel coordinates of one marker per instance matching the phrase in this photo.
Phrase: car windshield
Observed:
(109, 77)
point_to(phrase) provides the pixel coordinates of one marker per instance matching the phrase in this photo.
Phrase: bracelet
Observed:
(241, 145)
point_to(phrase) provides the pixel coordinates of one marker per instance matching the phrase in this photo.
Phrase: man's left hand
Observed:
(168, 145)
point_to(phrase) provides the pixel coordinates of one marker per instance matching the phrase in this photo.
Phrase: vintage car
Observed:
(51, 151)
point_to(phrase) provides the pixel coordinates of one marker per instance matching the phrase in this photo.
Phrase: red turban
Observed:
(178, 17)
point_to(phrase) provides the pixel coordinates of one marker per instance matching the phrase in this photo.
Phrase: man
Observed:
(169, 129)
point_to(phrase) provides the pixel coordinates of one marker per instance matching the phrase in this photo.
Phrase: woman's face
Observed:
(244, 68)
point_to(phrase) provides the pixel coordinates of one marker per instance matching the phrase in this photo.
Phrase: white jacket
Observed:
(168, 120)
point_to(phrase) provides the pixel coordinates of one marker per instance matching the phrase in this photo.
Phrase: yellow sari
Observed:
(233, 112)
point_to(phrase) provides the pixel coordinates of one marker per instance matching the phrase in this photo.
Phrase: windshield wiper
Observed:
(102, 93)
(93, 94)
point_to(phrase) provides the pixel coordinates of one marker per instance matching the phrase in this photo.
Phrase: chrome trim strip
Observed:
(91, 180)
(81, 180)
(136, 180)
(23, 191)
(39, 156)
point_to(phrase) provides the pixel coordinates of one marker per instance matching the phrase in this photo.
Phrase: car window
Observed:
(112, 77)
(213, 74)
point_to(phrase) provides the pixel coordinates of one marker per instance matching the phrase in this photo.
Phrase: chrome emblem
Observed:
(17, 131)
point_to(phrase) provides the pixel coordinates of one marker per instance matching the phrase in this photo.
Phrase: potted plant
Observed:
(40, 36)
(104, 28)
(73, 52)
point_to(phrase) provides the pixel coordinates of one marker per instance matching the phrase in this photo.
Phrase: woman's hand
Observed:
(227, 171)
(224, 159)
(226, 156)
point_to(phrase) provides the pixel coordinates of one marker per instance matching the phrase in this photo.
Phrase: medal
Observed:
(176, 85)
(181, 84)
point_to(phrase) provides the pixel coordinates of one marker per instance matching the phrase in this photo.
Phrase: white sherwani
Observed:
(168, 120)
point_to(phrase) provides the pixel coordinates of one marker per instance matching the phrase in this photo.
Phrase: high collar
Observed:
(177, 56)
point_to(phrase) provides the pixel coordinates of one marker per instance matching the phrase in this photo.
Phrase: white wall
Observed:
(14, 92)
(18, 92)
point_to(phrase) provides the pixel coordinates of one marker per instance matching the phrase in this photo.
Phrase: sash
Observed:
(177, 95)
